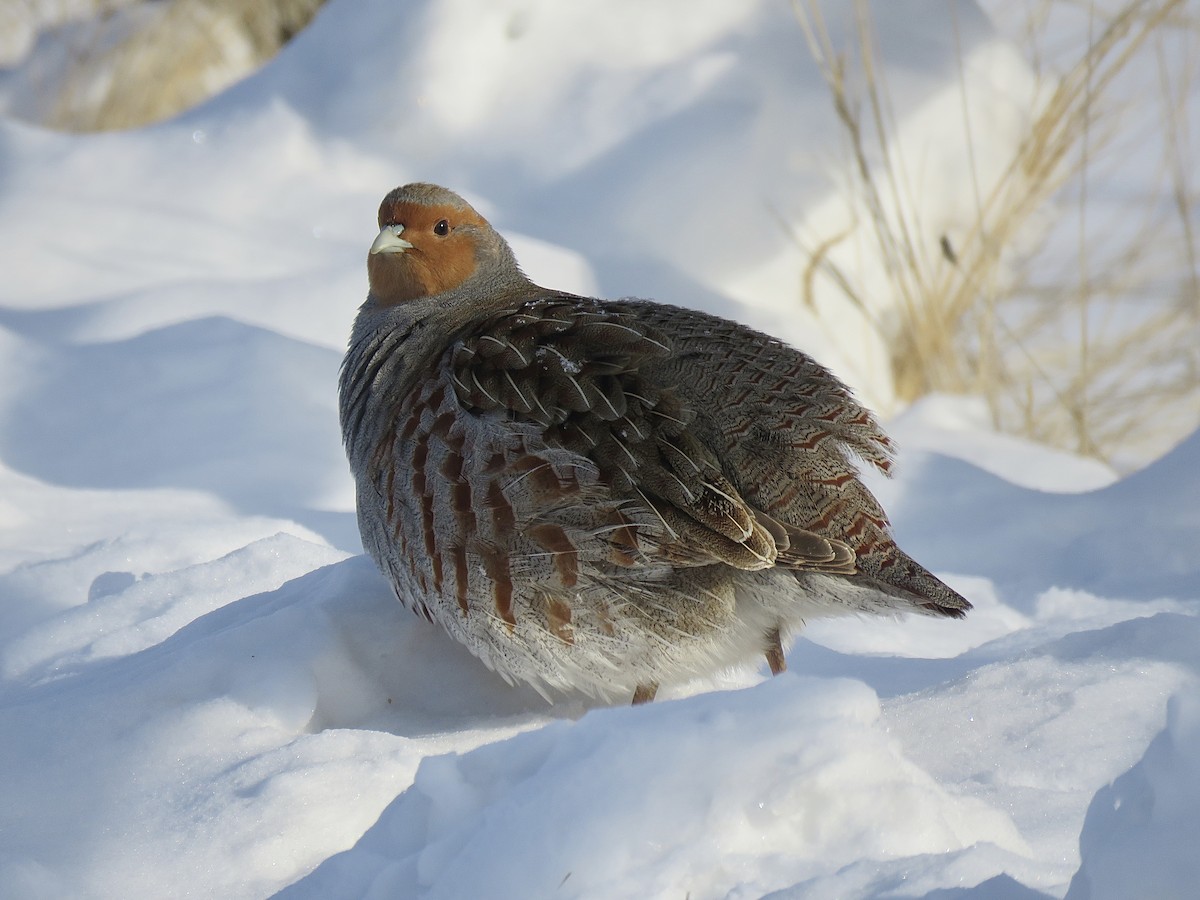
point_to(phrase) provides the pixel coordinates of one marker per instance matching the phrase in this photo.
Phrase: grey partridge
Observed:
(601, 496)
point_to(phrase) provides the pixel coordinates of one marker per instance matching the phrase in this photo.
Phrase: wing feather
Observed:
(576, 368)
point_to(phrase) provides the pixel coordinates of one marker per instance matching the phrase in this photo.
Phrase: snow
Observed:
(206, 689)
(827, 788)
(1138, 834)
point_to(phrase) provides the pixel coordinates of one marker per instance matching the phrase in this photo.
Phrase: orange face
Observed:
(422, 249)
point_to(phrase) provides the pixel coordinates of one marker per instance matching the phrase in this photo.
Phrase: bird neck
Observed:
(393, 284)
(393, 347)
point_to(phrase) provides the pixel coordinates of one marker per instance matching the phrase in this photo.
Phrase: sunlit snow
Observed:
(206, 689)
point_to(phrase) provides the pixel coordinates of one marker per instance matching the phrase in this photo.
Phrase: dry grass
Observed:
(1090, 343)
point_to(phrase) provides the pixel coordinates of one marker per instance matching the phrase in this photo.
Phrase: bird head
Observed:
(431, 241)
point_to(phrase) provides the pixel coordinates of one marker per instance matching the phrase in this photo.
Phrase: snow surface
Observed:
(206, 690)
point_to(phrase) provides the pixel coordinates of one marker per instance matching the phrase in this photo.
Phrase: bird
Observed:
(601, 497)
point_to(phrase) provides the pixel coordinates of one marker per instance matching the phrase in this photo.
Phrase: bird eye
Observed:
(442, 228)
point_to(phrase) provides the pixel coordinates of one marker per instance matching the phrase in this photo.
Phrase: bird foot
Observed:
(774, 652)
(644, 693)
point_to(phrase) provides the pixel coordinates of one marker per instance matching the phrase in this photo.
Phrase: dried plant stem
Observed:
(984, 324)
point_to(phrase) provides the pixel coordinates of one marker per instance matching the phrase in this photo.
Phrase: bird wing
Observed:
(575, 369)
(790, 435)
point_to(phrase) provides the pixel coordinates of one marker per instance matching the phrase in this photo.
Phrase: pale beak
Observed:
(389, 241)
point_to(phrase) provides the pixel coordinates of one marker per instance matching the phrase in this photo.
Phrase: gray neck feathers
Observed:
(393, 348)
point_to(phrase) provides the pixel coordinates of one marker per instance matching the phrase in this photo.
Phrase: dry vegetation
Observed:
(1088, 338)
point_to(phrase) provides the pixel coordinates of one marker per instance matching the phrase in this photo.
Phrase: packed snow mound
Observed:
(279, 706)
(797, 771)
(1139, 835)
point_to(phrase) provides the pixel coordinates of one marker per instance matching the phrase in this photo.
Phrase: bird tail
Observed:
(906, 579)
